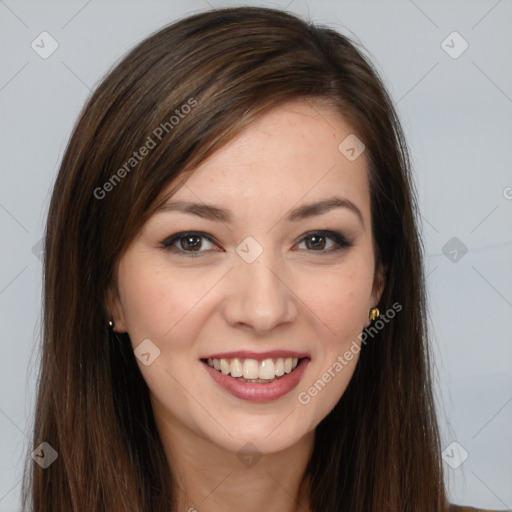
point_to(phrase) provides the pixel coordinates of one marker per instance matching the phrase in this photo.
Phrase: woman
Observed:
(234, 295)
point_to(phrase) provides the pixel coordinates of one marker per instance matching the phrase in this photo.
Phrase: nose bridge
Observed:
(258, 296)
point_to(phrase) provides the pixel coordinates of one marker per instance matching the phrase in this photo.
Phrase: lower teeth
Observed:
(254, 381)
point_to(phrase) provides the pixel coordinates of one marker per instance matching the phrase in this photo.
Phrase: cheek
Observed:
(340, 299)
(340, 305)
(155, 300)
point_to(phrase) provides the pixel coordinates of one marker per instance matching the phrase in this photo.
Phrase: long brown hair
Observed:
(378, 450)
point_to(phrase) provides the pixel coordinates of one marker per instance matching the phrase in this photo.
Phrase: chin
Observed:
(265, 433)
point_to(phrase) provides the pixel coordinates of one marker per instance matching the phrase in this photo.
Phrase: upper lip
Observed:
(247, 354)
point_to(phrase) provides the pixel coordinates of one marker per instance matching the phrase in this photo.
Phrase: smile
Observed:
(257, 377)
(252, 370)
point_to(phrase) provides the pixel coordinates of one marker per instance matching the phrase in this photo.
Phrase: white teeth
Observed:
(279, 367)
(224, 366)
(252, 369)
(267, 369)
(236, 368)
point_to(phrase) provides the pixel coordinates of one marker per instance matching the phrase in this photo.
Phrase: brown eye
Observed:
(315, 242)
(187, 243)
(318, 240)
(192, 242)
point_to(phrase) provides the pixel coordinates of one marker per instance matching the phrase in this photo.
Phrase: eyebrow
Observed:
(216, 213)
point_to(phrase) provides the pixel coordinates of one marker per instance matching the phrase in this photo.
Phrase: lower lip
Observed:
(255, 392)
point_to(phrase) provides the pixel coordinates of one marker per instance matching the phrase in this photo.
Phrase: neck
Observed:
(207, 477)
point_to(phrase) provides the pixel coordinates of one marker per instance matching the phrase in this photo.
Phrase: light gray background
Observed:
(457, 116)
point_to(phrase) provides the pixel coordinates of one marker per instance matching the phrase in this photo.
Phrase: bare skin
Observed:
(299, 294)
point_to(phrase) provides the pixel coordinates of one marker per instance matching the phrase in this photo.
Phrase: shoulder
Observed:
(462, 508)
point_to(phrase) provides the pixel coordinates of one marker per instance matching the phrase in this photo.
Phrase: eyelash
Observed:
(340, 241)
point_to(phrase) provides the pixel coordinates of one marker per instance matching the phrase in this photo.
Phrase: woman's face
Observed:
(251, 286)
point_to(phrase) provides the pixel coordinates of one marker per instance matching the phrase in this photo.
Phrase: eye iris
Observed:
(316, 244)
(189, 242)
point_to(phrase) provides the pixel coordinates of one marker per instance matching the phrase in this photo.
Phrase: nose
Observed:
(258, 296)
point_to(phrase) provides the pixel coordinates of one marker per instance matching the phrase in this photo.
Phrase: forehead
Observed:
(288, 156)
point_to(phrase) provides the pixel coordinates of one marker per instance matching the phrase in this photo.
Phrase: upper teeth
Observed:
(254, 369)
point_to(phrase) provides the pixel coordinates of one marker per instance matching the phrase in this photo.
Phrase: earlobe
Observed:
(379, 282)
(115, 314)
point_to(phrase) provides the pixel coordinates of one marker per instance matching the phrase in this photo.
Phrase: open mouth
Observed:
(256, 371)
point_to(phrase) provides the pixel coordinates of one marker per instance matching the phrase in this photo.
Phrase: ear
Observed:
(379, 283)
(115, 309)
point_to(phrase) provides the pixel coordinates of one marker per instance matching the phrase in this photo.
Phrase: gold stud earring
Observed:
(111, 324)
(374, 313)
